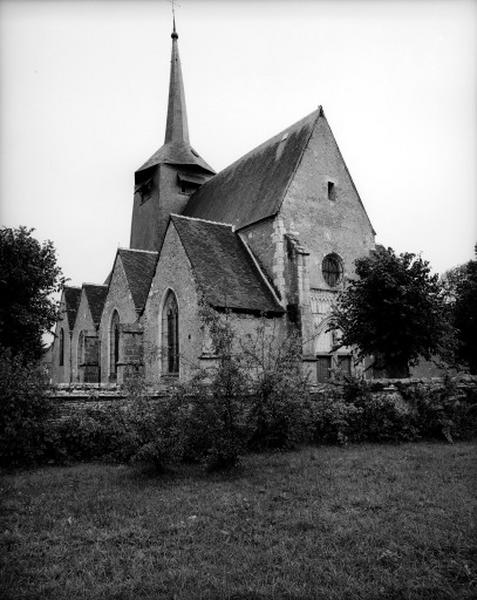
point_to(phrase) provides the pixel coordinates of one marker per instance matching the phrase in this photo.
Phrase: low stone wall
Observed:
(73, 397)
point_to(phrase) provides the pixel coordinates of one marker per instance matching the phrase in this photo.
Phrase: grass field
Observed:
(363, 522)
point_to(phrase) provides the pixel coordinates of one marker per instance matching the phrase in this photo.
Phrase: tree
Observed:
(394, 311)
(463, 308)
(29, 275)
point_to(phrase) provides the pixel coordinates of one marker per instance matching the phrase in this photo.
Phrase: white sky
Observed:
(84, 91)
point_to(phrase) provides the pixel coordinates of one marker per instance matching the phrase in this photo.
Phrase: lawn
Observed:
(362, 522)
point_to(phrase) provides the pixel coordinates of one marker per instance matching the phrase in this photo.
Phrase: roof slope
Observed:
(252, 188)
(96, 296)
(224, 269)
(139, 266)
(72, 300)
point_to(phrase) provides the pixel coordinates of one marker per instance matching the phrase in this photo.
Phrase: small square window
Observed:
(331, 191)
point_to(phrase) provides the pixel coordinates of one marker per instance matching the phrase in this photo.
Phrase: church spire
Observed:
(177, 129)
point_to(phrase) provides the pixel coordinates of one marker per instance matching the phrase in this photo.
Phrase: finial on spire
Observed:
(174, 34)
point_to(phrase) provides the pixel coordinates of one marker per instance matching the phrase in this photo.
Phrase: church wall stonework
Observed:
(151, 214)
(322, 225)
(118, 298)
(173, 272)
(84, 323)
(62, 373)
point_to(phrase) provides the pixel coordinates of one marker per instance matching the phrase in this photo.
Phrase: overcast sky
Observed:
(84, 92)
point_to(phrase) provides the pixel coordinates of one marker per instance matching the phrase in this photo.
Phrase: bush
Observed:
(158, 439)
(212, 418)
(442, 411)
(24, 411)
(92, 433)
(280, 411)
(334, 420)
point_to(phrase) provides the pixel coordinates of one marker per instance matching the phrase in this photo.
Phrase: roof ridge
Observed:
(85, 283)
(137, 250)
(202, 220)
(72, 287)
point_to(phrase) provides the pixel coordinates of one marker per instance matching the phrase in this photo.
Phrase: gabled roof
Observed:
(223, 267)
(72, 296)
(253, 187)
(96, 296)
(139, 266)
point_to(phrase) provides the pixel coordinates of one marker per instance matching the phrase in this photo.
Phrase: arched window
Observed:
(114, 345)
(80, 355)
(62, 348)
(170, 335)
(332, 269)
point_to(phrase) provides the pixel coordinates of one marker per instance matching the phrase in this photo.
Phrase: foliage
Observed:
(356, 412)
(214, 415)
(92, 433)
(24, 411)
(334, 420)
(29, 275)
(442, 411)
(394, 311)
(280, 414)
(465, 315)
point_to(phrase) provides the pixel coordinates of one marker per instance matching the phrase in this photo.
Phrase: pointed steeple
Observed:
(176, 149)
(177, 129)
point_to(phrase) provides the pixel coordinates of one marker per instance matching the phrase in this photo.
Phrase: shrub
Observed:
(280, 411)
(442, 411)
(92, 433)
(158, 439)
(24, 411)
(334, 420)
(212, 418)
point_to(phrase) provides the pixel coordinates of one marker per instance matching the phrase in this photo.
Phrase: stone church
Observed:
(271, 239)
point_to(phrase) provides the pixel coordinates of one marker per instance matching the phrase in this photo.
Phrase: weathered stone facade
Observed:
(118, 301)
(61, 370)
(173, 273)
(85, 345)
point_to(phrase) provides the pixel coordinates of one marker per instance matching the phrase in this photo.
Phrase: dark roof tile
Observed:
(72, 297)
(225, 271)
(96, 296)
(253, 187)
(139, 266)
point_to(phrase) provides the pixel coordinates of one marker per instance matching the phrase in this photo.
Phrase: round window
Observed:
(332, 269)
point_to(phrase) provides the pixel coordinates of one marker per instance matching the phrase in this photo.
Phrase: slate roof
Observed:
(173, 153)
(223, 267)
(139, 266)
(96, 296)
(253, 187)
(72, 297)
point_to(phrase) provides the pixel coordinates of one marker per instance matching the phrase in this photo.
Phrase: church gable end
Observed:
(118, 299)
(61, 369)
(323, 210)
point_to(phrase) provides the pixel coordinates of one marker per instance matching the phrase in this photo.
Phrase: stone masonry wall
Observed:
(322, 225)
(61, 374)
(119, 298)
(173, 272)
(84, 323)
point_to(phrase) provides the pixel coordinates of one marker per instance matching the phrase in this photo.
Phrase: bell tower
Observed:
(163, 184)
